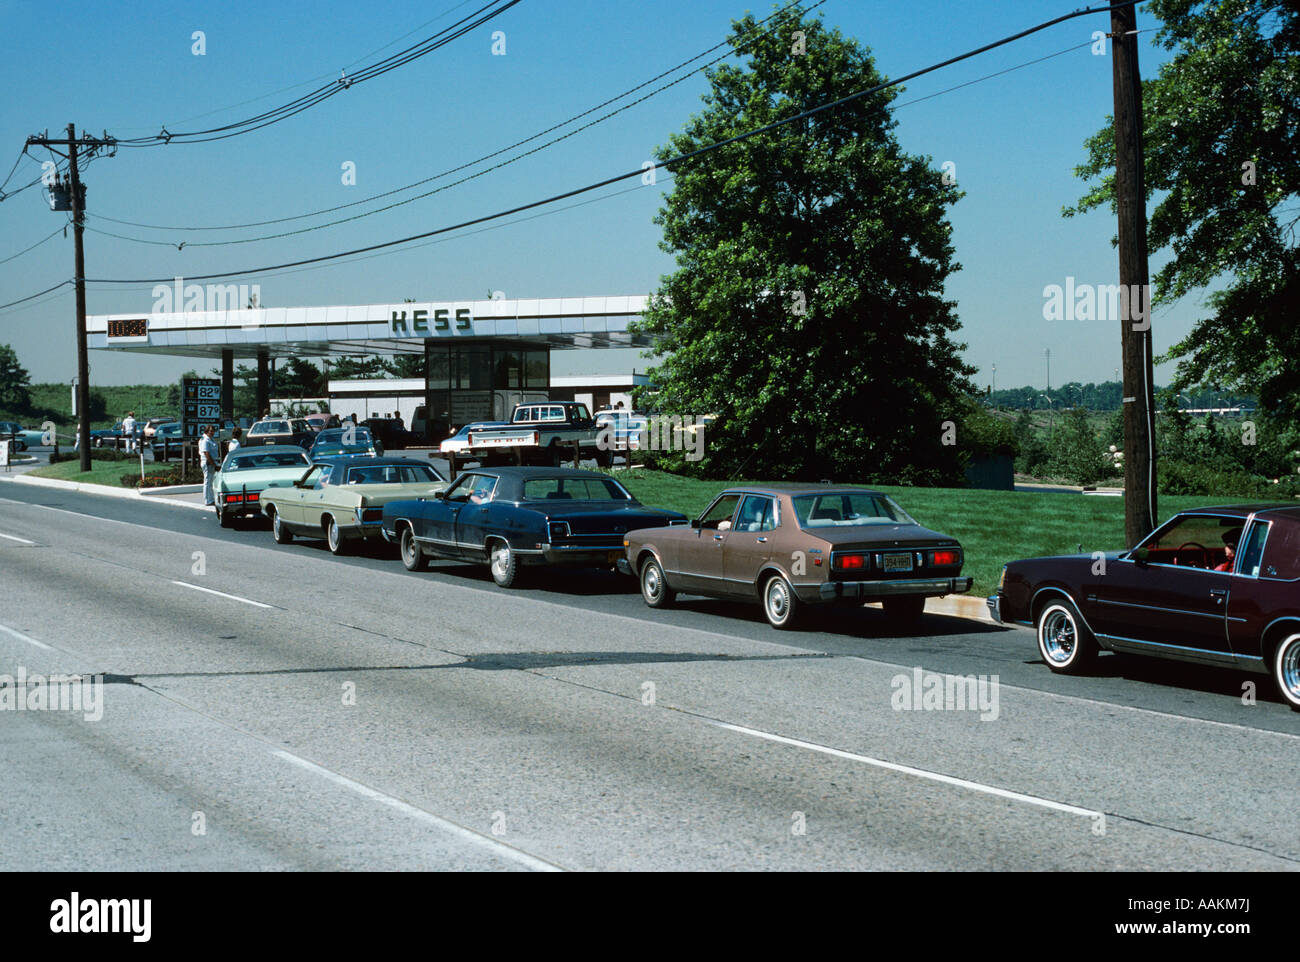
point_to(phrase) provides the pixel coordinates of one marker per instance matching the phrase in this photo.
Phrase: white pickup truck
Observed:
(540, 432)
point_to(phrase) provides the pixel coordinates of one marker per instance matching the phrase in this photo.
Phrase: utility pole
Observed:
(1047, 353)
(1140, 516)
(75, 202)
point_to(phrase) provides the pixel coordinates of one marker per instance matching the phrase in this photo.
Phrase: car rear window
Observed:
(841, 509)
(279, 459)
(574, 489)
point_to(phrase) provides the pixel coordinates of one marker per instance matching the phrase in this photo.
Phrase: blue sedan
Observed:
(510, 517)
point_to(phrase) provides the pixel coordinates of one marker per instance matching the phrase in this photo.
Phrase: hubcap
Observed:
(651, 582)
(1058, 636)
(408, 546)
(778, 602)
(500, 561)
(275, 523)
(1291, 670)
(334, 533)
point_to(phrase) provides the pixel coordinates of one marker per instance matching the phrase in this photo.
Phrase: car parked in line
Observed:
(167, 441)
(151, 425)
(341, 499)
(511, 517)
(1215, 586)
(281, 431)
(345, 442)
(458, 443)
(319, 422)
(391, 433)
(788, 546)
(246, 473)
(14, 432)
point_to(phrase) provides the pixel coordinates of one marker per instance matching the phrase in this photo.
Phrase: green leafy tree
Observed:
(1076, 452)
(807, 306)
(15, 382)
(1222, 151)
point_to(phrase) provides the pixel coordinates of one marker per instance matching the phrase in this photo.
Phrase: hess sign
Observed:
(200, 404)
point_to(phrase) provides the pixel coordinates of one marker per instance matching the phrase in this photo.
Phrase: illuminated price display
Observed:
(136, 329)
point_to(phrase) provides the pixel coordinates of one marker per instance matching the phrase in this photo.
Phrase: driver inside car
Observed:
(1230, 539)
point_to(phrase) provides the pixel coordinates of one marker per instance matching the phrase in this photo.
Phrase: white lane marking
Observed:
(917, 772)
(222, 594)
(451, 828)
(21, 637)
(11, 537)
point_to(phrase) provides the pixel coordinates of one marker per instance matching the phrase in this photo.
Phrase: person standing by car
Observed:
(235, 435)
(128, 430)
(208, 454)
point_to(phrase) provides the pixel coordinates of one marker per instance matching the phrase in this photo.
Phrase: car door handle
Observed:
(1218, 594)
(762, 541)
(717, 537)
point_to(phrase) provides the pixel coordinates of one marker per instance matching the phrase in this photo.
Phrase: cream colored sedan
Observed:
(342, 499)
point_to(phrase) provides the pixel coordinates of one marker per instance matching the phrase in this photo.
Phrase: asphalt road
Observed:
(274, 707)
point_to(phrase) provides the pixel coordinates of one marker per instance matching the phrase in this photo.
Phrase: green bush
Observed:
(1180, 477)
(1076, 451)
(163, 479)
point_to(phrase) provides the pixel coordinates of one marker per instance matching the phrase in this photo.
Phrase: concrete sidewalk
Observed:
(184, 496)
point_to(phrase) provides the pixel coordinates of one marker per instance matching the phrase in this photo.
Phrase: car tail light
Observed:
(255, 496)
(558, 529)
(946, 556)
(372, 514)
(232, 498)
(847, 562)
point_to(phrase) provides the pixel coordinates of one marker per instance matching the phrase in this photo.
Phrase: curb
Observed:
(960, 606)
(103, 490)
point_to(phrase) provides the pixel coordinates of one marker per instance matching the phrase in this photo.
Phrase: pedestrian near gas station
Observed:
(208, 454)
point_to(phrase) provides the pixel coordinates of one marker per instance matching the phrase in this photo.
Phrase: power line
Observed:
(32, 297)
(11, 257)
(265, 119)
(316, 79)
(683, 158)
(479, 160)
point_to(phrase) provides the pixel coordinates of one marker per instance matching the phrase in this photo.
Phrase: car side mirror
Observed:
(1140, 556)
(697, 523)
(440, 495)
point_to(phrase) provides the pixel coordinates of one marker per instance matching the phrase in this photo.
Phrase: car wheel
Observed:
(279, 531)
(223, 517)
(780, 604)
(654, 586)
(413, 555)
(504, 564)
(904, 609)
(334, 536)
(1286, 671)
(1064, 641)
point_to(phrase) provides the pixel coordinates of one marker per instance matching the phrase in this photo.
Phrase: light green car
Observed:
(342, 499)
(246, 474)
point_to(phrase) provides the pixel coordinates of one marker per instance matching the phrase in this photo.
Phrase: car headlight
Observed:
(1002, 579)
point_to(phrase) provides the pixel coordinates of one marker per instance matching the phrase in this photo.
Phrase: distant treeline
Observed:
(1106, 396)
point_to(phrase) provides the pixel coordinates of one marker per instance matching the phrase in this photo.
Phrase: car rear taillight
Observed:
(232, 498)
(847, 562)
(255, 496)
(558, 530)
(946, 556)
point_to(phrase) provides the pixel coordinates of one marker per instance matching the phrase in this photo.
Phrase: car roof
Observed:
(524, 473)
(1271, 508)
(773, 490)
(364, 462)
(268, 449)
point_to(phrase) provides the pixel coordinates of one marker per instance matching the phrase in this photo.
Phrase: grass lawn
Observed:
(101, 472)
(994, 527)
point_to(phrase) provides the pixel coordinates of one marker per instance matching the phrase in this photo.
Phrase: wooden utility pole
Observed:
(83, 363)
(78, 228)
(1140, 516)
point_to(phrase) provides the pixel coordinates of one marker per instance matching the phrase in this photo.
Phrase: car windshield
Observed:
(275, 459)
(574, 489)
(840, 509)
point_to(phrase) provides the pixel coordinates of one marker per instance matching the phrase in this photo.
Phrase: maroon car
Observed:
(788, 546)
(1217, 586)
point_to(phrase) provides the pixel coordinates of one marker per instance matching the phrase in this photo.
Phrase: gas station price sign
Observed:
(200, 404)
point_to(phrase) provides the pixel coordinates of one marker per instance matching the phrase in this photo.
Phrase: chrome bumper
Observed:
(995, 608)
(873, 590)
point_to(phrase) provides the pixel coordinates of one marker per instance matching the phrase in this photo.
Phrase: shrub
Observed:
(162, 479)
(1180, 477)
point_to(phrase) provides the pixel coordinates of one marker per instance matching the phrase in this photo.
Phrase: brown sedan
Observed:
(794, 545)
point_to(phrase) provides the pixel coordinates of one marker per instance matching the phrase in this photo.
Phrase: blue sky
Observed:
(1013, 139)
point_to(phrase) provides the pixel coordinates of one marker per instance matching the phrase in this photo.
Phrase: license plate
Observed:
(898, 562)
